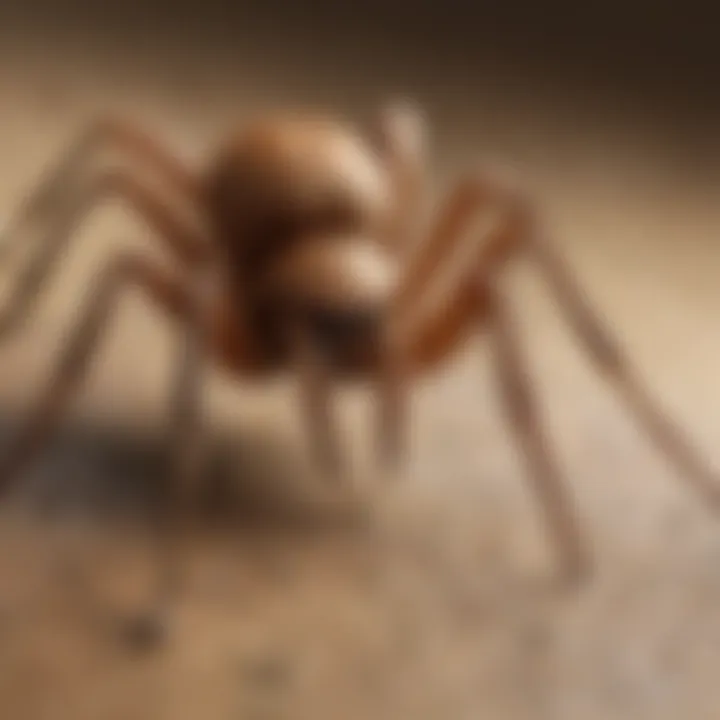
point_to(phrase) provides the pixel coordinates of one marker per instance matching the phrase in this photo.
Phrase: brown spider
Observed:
(299, 247)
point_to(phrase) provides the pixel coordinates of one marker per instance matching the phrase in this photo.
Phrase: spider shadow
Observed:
(260, 489)
(109, 472)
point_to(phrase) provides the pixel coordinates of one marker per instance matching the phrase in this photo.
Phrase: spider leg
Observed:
(522, 235)
(474, 300)
(611, 361)
(79, 350)
(177, 300)
(185, 239)
(402, 143)
(187, 453)
(60, 182)
(413, 341)
(516, 389)
(393, 416)
(425, 338)
(316, 395)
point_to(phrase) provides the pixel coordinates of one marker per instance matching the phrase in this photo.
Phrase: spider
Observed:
(302, 245)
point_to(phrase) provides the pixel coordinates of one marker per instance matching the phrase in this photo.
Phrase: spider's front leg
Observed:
(424, 341)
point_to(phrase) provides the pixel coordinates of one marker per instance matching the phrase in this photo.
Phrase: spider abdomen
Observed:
(280, 179)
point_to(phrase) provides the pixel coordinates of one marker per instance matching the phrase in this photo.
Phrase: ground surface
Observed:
(438, 610)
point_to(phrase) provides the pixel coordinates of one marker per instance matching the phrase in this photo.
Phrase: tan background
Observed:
(440, 613)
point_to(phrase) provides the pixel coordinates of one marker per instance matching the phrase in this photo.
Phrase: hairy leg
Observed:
(184, 238)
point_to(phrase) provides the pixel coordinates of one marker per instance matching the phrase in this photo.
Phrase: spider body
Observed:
(298, 247)
(298, 206)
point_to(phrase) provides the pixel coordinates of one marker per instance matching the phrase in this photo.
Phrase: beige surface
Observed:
(456, 625)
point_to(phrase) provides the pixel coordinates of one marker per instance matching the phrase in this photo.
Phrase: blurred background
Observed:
(438, 609)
